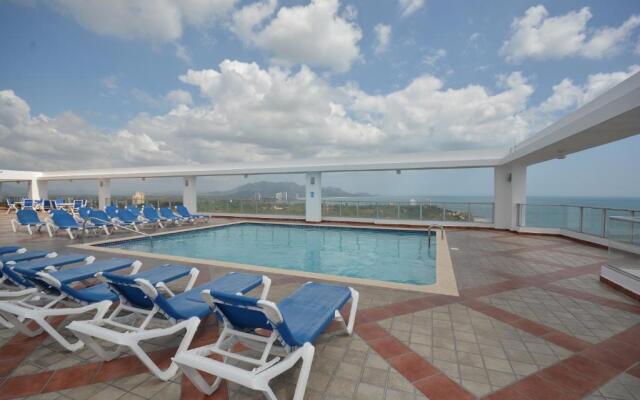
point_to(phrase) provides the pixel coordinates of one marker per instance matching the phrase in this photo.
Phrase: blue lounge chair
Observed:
(143, 294)
(126, 218)
(78, 204)
(168, 215)
(140, 215)
(29, 219)
(151, 215)
(11, 249)
(84, 213)
(62, 220)
(100, 219)
(66, 299)
(24, 256)
(112, 211)
(27, 204)
(15, 272)
(184, 212)
(295, 322)
(11, 206)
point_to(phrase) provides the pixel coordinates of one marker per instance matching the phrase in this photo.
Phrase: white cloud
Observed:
(383, 37)
(433, 57)
(249, 114)
(567, 95)
(408, 7)
(66, 141)
(637, 49)
(156, 21)
(536, 35)
(171, 99)
(314, 34)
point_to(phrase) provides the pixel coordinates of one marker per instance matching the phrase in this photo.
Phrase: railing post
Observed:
(241, 206)
(377, 210)
(357, 209)
(444, 213)
(604, 222)
(398, 211)
(469, 212)
(420, 211)
(340, 209)
(580, 229)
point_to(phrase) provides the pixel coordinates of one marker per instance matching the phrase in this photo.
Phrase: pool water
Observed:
(380, 254)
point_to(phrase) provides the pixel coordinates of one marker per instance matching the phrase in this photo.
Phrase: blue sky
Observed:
(118, 84)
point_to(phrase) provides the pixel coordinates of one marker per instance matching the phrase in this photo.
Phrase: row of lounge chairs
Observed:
(95, 220)
(43, 204)
(125, 305)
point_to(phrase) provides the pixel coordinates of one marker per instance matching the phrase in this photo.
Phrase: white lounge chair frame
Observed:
(31, 308)
(15, 224)
(264, 369)
(103, 328)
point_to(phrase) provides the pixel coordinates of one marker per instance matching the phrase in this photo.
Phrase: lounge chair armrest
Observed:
(161, 286)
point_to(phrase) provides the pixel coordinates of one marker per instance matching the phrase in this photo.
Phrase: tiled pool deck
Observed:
(532, 322)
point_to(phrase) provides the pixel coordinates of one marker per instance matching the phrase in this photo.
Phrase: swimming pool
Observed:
(391, 255)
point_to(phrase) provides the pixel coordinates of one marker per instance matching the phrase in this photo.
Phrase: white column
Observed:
(38, 189)
(190, 194)
(510, 189)
(313, 197)
(104, 193)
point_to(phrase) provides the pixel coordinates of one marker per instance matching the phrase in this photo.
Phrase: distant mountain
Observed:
(269, 190)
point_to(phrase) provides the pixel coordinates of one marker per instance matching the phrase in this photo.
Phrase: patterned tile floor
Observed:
(532, 322)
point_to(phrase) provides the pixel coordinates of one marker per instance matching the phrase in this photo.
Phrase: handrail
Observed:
(150, 237)
(430, 228)
(579, 205)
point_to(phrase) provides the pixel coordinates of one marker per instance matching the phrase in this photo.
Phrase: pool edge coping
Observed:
(445, 276)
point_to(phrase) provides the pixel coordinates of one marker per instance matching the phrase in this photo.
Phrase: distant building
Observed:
(138, 198)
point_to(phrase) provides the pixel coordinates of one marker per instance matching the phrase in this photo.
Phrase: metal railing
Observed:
(624, 229)
(402, 210)
(420, 211)
(588, 220)
(249, 206)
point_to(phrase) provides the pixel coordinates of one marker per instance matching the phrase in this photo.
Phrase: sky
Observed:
(89, 83)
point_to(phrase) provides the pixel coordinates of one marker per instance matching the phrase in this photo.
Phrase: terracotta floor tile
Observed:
(71, 377)
(440, 387)
(190, 392)
(370, 331)
(568, 342)
(563, 375)
(22, 386)
(412, 366)
(536, 388)
(388, 347)
(532, 327)
(595, 370)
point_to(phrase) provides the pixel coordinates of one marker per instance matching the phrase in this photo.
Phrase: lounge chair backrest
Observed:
(128, 290)
(126, 215)
(150, 212)
(63, 219)
(28, 217)
(183, 211)
(99, 216)
(84, 212)
(77, 204)
(46, 204)
(27, 203)
(167, 213)
(134, 210)
(112, 211)
(243, 312)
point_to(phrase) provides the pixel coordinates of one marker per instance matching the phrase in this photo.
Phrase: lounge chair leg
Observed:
(13, 225)
(70, 233)
(106, 230)
(29, 230)
(198, 381)
(49, 230)
(307, 358)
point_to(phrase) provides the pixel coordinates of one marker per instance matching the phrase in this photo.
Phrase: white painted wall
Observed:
(38, 189)
(190, 194)
(314, 197)
(104, 193)
(508, 193)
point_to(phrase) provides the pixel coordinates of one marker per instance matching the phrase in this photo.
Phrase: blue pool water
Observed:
(394, 256)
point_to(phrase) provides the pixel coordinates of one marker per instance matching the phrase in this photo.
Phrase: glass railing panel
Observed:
(593, 222)
(481, 212)
(331, 209)
(409, 211)
(432, 211)
(545, 216)
(388, 210)
(366, 209)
